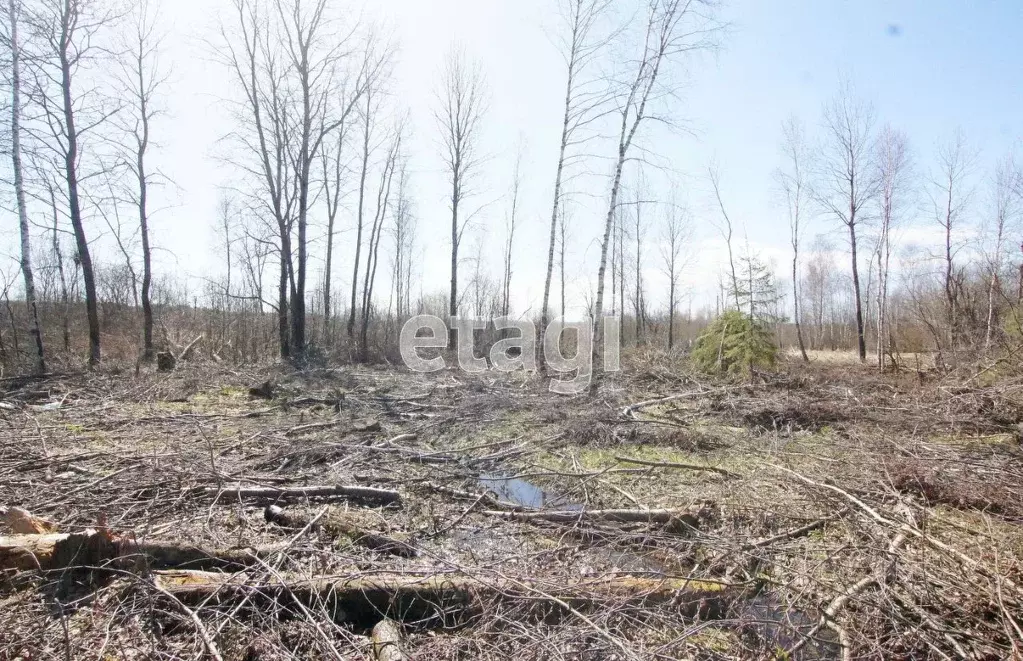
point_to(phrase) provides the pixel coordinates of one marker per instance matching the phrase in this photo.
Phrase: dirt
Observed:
(815, 447)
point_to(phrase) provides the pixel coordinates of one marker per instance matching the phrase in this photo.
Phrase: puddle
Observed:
(764, 618)
(519, 491)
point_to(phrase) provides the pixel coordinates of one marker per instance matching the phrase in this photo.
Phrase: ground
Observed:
(822, 512)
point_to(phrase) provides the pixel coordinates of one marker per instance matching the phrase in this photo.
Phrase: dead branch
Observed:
(337, 524)
(671, 464)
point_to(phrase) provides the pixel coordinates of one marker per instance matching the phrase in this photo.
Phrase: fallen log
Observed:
(335, 525)
(367, 495)
(676, 520)
(450, 599)
(92, 548)
(386, 637)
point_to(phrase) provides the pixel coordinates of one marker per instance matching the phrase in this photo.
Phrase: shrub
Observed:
(734, 344)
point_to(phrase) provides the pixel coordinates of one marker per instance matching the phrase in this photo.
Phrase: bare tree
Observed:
(141, 74)
(367, 112)
(675, 233)
(1006, 185)
(580, 45)
(301, 76)
(639, 303)
(394, 157)
(726, 230)
(69, 34)
(19, 184)
(956, 162)
(671, 29)
(846, 182)
(404, 244)
(893, 164)
(332, 161)
(509, 237)
(793, 179)
(462, 103)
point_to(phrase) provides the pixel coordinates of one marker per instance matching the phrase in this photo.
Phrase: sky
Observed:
(927, 66)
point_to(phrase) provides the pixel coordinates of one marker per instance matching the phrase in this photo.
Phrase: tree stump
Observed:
(165, 361)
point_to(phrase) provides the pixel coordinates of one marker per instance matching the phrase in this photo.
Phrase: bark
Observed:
(360, 214)
(372, 258)
(860, 338)
(65, 297)
(142, 137)
(19, 190)
(453, 597)
(387, 639)
(561, 258)
(67, 58)
(92, 548)
(559, 173)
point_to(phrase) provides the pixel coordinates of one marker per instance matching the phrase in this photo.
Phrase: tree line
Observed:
(319, 154)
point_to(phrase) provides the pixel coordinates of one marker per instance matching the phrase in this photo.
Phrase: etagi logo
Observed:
(513, 353)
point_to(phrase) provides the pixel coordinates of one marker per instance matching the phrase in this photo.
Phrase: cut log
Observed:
(452, 598)
(337, 524)
(23, 522)
(92, 548)
(367, 495)
(386, 637)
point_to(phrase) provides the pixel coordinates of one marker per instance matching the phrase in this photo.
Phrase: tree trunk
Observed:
(545, 312)
(282, 307)
(454, 598)
(861, 342)
(795, 303)
(671, 311)
(453, 294)
(74, 203)
(19, 190)
(147, 264)
(360, 214)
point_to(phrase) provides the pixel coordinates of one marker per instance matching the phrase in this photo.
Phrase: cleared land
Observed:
(823, 513)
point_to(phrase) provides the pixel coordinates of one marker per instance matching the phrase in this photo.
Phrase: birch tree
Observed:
(675, 233)
(511, 222)
(1006, 207)
(580, 46)
(671, 29)
(892, 163)
(727, 232)
(846, 183)
(951, 196)
(13, 15)
(793, 179)
(460, 112)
